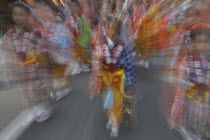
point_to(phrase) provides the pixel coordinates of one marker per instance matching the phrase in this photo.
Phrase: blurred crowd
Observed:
(54, 39)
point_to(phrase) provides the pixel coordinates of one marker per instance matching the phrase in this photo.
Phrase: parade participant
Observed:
(192, 15)
(72, 22)
(180, 40)
(117, 74)
(63, 45)
(190, 110)
(83, 35)
(95, 80)
(60, 42)
(147, 34)
(29, 68)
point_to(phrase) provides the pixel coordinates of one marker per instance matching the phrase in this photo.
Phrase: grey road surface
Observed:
(78, 118)
(10, 106)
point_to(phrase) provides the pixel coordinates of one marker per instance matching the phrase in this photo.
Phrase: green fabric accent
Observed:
(19, 31)
(85, 33)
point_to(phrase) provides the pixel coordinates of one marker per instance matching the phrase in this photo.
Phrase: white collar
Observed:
(110, 43)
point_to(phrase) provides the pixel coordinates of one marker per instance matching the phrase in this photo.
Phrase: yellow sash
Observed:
(192, 93)
(116, 80)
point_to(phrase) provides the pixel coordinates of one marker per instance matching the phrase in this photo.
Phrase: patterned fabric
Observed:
(126, 61)
(197, 118)
(22, 43)
(58, 34)
(112, 52)
(33, 82)
(200, 69)
(95, 79)
(185, 112)
(177, 113)
(34, 92)
(24, 73)
(48, 29)
(62, 36)
(95, 85)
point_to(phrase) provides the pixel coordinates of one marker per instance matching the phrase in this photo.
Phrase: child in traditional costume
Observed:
(191, 107)
(117, 73)
(29, 68)
(82, 37)
(186, 98)
(60, 41)
(63, 46)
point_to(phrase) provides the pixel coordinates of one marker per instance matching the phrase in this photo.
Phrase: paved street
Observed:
(78, 118)
(10, 106)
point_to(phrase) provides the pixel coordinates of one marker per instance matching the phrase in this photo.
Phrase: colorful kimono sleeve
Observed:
(126, 61)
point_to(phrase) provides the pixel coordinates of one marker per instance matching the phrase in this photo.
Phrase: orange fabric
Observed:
(116, 80)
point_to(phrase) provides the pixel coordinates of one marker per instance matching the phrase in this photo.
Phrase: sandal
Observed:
(114, 132)
(109, 125)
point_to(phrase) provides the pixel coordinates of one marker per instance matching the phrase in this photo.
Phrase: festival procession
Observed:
(105, 69)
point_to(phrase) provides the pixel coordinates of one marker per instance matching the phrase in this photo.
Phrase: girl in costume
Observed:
(60, 42)
(63, 46)
(82, 38)
(191, 18)
(191, 107)
(118, 74)
(28, 67)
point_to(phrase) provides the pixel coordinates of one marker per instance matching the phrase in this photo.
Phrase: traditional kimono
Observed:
(60, 50)
(28, 67)
(117, 73)
(95, 80)
(192, 105)
(63, 41)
